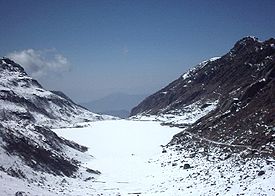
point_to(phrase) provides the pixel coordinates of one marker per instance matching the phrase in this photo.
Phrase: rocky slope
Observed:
(232, 99)
(22, 97)
(28, 148)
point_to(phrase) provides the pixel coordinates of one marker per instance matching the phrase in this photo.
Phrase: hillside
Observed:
(226, 101)
(29, 150)
(22, 97)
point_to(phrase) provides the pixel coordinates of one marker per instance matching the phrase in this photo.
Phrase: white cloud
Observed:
(40, 63)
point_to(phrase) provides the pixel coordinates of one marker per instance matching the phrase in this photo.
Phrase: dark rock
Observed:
(261, 173)
(15, 173)
(164, 151)
(93, 171)
(89, 178)
(20, 193)
(186, 166)
(64, 181)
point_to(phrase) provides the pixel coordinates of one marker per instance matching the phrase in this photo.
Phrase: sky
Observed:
(91, 48)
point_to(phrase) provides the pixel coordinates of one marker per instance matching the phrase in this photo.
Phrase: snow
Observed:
(10, 185)
(189, 73)
(186, 115)
(122, 150)
(129, 155)
(202, 64)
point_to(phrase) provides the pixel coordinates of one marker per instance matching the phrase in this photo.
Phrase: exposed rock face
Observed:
(242, 82)
(39, 148)
(27, 111)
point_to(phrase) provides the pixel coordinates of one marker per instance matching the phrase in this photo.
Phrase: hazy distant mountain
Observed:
(118, 113)
(117, 104)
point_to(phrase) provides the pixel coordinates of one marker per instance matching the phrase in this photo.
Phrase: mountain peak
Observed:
(10, 65)
(245, 44)
(250, 45)
(248, 40)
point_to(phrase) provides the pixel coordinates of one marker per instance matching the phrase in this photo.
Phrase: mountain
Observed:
(226, 101)
(116, 104)
(29, 150)
(119, 113)
(22, 97)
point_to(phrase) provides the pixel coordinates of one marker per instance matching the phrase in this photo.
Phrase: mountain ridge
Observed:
(241, 83)
(29, 149)
(23, 96)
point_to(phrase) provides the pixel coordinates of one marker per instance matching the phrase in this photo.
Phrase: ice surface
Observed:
(122, 150)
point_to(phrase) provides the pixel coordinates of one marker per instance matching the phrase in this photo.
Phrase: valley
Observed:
(133, 161)
(209, 132)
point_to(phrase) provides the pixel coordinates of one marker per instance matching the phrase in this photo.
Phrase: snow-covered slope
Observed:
(22, 97)
(183, 116)
(33, 156)
(133, 161)
(29, 150)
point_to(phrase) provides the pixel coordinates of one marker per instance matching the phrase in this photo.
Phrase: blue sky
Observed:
(90, 48)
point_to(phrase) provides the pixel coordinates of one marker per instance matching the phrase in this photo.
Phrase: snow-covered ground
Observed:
(124, 151)
(132, 161)
(186, 115)
(130, 157)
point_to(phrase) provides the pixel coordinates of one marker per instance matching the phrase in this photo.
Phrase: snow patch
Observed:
(189, 73)
(186, 115)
